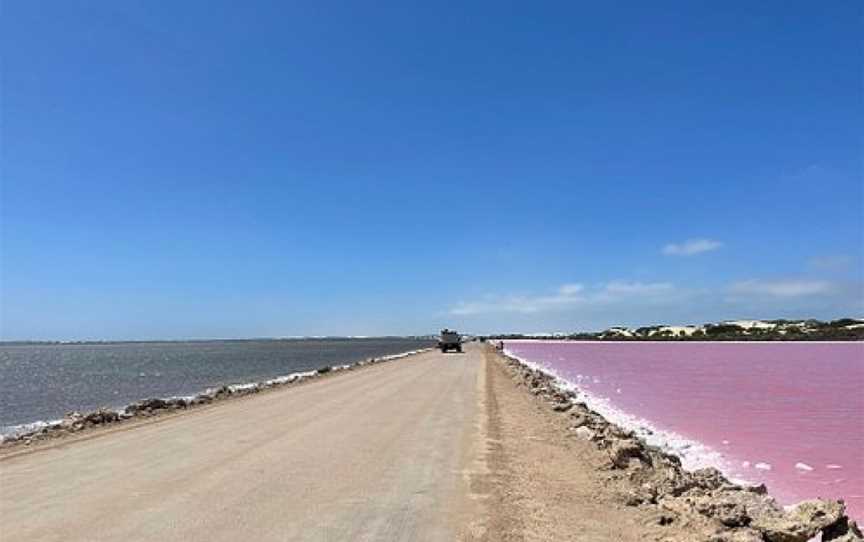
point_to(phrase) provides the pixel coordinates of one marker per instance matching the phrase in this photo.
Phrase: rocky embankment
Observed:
(655, 478)
(75, 422)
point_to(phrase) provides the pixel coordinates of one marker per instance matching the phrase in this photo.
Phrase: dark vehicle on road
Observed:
(450, 340)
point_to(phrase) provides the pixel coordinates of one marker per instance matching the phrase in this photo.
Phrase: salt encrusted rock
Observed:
(562, 407)
(801, 523)
(708, 478)
(622, 451)
(728, 512)
(585, 433)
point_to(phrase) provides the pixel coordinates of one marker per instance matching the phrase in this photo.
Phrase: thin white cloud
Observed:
(509, 304)
(781, 288)
(566, 296)
(570, 289)
(831, 263)
(691, 247)
(637, 288)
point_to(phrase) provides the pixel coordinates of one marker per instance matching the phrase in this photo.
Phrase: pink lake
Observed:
(790, 414)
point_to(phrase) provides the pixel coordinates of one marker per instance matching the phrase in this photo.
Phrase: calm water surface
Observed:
(790, 415)
(43, 382)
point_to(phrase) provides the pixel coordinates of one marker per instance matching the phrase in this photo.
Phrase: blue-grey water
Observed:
(44, 381)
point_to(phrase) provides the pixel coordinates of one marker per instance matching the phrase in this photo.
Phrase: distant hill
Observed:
(844, 329)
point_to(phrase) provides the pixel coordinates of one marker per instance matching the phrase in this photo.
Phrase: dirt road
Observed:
(383, 453)
(431, 447)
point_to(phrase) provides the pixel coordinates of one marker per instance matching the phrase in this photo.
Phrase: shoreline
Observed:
(694, 455)
(658, 478)
(74, 423)
(735, 412)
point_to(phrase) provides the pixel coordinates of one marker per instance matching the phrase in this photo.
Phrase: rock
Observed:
(615, 432)
(708, 478)
(637, 496)
(738, 535)
(562, 407)
(632, 498)
(101, 416)
(220, 392)
(561, 397)
(177, 402)
(635, 463)
(201, 399)
(661, 458)
(730, 514)
(665, 519)
(622, 451)
(584, 433)
(801, 523)
(146, 404)
(672, 480)
(842, 531)
(71, 417)
(761, 489)
(578, 419)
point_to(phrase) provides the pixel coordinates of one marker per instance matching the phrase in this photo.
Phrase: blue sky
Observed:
(225, 169)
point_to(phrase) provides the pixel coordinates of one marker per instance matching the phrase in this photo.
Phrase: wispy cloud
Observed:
(781, 288)
(570, 289)
(566, 296)
(691, 247)
(638, 288)
(831, 263)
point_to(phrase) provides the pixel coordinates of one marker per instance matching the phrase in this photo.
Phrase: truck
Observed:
(449, 340)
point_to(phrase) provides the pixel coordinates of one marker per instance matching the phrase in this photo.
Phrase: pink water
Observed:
(794, 408)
